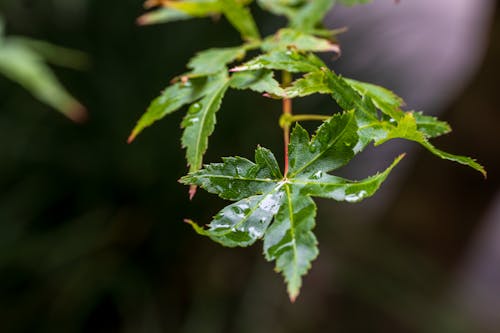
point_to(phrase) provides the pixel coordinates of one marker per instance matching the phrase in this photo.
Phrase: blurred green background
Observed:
(91, 232)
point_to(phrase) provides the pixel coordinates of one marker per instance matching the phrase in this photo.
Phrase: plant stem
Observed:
(303, 117)
(287, 110)
(288, 119)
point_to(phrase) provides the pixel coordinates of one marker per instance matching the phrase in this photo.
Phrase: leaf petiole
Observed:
(288, 119)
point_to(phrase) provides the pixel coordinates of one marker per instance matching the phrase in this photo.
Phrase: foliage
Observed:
(271, 204)
(23, 60)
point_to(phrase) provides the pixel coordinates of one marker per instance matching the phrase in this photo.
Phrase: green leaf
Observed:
(196, 8)
(172, 99)
(311, 83)
(56, 55)
(264, 194)
(199, 123)
(237, 178)
(430, 126)
(22, 64)
(262, 81)
(290, 241)
(384, 99)
(244, 222)
(215, 60)
(331, 147)
(407, 129)
(290, 61)
(241, 18)
(311, 14)
(303, 14)
(365, 99)
(162, 15)
(354, 2)
(286, 39)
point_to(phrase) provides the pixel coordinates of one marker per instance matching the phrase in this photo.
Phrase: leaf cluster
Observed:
(271, 204)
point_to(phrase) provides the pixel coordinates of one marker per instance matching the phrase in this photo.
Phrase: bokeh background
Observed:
(91, 231)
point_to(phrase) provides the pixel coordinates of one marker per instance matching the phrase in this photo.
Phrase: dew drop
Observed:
(317, 175)
(355, 197)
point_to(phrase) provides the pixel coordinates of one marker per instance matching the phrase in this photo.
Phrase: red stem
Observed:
(287, 109)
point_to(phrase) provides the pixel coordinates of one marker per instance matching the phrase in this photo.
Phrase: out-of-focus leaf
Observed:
(235, 11)
(241, 18)
(54, 54)
(302, 14)
(354, 2)
(196, 8)
(22, 64)
(311, 14)
(286, 39)
(162, 15)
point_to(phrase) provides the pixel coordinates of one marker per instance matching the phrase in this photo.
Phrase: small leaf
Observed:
(286, 39)
(302, 14)
(241, 18)
(310, 83)
(384, 99)
(290, 241)
(199, 124)
(311, 14)
(237, 178)
(430, 126)
(162, 15)
(196, 8)
(407, 129)
(171, 100)
(290, 61)
(331, 147)
(331, 187)
(244, 222)
(215, 60)
(258, 80)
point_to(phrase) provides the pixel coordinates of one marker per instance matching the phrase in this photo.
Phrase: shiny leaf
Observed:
(263, 193)
(258, 80)
(199, 124)
(290, 61)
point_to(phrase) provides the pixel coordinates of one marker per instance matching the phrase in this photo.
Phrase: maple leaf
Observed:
(277, 208)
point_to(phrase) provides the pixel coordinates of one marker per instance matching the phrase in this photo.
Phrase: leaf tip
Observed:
(131, 137)
(77, 113)
(192, 191)
(293, 296)
(142, 20)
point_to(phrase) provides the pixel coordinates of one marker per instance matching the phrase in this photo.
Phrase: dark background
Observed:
(91, 232)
